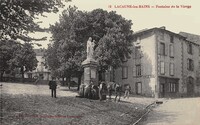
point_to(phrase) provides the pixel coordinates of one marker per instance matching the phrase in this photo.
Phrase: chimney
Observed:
(163, 27)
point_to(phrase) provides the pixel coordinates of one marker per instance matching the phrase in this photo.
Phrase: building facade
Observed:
(191, 61)
(163, 64)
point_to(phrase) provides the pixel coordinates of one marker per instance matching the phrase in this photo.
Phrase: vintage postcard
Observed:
(100, 62)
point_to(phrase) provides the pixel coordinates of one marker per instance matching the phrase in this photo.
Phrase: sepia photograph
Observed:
(100, 62)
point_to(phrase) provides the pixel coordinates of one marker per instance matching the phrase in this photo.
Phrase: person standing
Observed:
(102, 91)
(127, 91)
(109, 89)
(53, 87)
(117, 91)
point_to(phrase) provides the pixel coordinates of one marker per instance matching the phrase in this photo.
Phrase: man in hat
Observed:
(53, 87)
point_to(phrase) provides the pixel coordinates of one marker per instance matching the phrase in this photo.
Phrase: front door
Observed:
(138, 88)
(162, 90)
(190, 89)
(190, 86)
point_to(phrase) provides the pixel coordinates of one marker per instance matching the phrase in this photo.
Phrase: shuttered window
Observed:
(189, 48)
(162, 67)
(172, 87)
(124, 72)
(171, 39)
(162, 49)
(190, 64)
(138, 70)
(171, 50)
(171, 69)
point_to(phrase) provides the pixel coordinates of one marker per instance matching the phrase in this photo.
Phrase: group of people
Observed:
(103, 88)
(101, 91)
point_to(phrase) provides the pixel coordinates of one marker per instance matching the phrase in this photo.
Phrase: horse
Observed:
(116, 87)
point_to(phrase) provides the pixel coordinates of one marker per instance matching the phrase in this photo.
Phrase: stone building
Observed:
(191, 59)
(163, 64)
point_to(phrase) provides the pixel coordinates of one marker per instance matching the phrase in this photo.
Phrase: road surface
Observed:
(175, 112)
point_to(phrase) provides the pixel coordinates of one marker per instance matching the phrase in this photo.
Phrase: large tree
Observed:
(24, 58)
(14, 55)
(112, 34)
(17, 17)
(7, 48)
(66, 47)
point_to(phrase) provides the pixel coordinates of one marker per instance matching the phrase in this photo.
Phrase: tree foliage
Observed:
(24, 58)
(67, 50)
(112, 34)
(6, 53)
(17, 16)
(53, 61)
(16, 55)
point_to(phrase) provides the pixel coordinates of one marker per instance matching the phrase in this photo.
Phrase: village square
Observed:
(91, 67)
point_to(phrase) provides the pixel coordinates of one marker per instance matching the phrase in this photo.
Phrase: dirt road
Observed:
(32, 104)
(175, 112)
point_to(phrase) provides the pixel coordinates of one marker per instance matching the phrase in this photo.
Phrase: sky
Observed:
(183, 15)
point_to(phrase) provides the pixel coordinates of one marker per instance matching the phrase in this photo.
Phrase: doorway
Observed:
(190, 86)
(138, 88)
(162, 90)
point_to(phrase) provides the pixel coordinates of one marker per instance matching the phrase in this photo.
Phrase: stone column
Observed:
(90, 71)
(90, 76)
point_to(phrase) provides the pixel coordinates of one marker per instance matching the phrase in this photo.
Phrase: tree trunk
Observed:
(68, 81)
(63, 81)
(1, 79)
(79, 82)
(22, 72)
(100, 76)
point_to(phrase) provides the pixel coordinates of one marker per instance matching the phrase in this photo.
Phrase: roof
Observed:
(191, 37)
(144, 31)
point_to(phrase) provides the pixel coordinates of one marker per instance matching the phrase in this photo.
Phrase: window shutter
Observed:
(134, 70)
(159, 48)
(162, 67)
(169, 87)
(171, 68)
(171, 50)
(166, 49)
(124, 72)
(192, 65)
